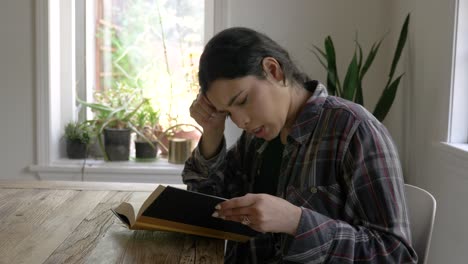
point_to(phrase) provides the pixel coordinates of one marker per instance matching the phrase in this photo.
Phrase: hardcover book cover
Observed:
(178, 210)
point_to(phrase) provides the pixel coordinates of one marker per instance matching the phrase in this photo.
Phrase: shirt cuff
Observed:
(212, 163)
(314, 229)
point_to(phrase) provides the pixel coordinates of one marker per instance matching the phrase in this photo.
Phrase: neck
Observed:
(299, 97)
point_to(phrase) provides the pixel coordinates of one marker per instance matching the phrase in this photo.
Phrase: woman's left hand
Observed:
(262, 212)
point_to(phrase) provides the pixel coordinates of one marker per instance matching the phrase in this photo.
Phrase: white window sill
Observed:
(458, 149)
(454, 155)
(160, 171)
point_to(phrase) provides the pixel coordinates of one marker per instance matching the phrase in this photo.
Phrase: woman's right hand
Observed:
(206, 115)
(212, 122)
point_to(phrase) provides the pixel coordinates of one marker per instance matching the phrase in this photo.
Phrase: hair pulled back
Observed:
(238, 52)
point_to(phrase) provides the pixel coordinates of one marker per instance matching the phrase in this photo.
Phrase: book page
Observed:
(126, 213)
(149, 200)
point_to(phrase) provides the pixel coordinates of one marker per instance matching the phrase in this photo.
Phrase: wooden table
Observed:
(70, 222)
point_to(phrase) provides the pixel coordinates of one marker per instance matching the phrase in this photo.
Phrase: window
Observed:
(458, 120)
(457, 136)
(60, 69)
(142, 49)
(147, 45)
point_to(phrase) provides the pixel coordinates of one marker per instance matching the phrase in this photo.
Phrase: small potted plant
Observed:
(77, 136)
(114, 110)
(146, 143)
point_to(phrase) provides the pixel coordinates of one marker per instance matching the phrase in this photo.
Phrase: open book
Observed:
(173, 209)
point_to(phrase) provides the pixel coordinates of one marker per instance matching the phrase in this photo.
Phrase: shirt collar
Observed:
(307, 119)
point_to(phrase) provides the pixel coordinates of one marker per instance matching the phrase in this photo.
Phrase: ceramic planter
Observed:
(76, 149)
(143, 150)
(117, 144)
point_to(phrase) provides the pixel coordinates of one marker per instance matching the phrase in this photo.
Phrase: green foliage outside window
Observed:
(154, 49)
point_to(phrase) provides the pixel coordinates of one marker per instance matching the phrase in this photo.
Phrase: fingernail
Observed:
(218, 207)
(215, 214)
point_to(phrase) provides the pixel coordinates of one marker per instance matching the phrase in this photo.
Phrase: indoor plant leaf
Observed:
(319, 58)
(95, 106)
(359, 96)
(332, 76)
(386, 99)
(129, 115)
(352, 85)
(137, 131)
(370, 58)
(359, 50)
(351, 79)
(400, 46)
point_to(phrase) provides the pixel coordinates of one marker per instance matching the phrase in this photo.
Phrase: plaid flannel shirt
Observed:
(341, 167)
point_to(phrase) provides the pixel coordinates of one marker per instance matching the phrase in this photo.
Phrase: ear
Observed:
(272, 69)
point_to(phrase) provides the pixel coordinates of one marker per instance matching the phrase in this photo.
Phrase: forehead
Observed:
(222, 91)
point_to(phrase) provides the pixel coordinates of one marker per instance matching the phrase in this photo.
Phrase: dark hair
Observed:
(239, 52)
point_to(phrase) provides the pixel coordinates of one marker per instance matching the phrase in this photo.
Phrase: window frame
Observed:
(458, 114)
(454, 143)
(55, 98)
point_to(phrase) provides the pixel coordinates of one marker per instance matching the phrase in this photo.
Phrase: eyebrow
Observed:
(231, 101)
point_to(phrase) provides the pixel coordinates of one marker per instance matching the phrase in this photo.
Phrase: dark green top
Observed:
(266, 180)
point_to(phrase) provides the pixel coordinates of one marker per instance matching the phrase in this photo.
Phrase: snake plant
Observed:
(351, 89)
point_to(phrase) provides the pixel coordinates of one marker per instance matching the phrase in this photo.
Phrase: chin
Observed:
(271, 136)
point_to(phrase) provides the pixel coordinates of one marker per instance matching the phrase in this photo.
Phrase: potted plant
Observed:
(146, 120)
(351, 88)
(77, 136)
(114, 111)
(180, 131)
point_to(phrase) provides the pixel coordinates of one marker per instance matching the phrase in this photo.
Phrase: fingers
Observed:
(235, 212)
(202, 109)
(237, 208)
(261, 212)
(241, 201)
(205, 105)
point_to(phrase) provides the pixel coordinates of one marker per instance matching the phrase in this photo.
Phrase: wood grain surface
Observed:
(71, 222)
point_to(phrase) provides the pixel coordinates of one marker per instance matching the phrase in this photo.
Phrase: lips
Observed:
(255, 131)
(259, 131)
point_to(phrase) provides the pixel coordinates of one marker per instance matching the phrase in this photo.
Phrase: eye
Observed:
(243, 101)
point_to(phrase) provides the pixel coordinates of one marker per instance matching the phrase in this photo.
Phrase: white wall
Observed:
(17, 102)
(299, 24)
(442, 173)
(417, 120)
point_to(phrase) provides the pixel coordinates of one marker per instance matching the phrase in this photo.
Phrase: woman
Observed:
(317, 175)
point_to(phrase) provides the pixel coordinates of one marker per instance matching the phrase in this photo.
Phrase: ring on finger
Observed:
(245, 220)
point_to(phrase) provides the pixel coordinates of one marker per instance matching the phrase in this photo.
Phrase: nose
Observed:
(240, 119)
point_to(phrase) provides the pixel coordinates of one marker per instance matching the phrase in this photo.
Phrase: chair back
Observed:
(421, 209)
